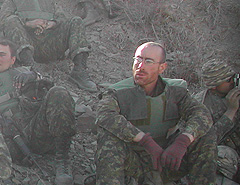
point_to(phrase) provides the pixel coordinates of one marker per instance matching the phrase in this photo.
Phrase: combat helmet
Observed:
(214, 72)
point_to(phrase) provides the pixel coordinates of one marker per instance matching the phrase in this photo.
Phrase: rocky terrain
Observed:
(193, 31)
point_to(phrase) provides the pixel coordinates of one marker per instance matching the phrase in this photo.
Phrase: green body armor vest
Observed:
(156, 115)
(35, 9)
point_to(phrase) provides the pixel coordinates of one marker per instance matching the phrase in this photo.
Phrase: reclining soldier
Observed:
(46, 123)
(43, 34)
(222, 97)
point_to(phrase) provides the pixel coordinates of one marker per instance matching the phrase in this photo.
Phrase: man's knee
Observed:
(110, 158)
(13, 21)
(13, 18)
(58, 94)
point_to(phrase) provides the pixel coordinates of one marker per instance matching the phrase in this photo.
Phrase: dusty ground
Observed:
(194, 31)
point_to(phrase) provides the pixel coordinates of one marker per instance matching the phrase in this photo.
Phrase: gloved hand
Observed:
(153, 149)
(172, 156)
(24, 77)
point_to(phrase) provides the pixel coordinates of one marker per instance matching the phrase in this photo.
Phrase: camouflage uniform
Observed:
(5, 160)
(69, 33)
(118, 156)
(39, 122)
(227, 131)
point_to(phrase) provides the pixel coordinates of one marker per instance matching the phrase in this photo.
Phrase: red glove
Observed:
(173, 155)
(153, 149)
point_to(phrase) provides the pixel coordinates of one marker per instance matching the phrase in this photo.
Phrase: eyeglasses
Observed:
(138, 60)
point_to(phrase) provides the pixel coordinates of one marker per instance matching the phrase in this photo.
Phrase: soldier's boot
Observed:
(79, 74)
(26, 57)
(62, 162)
(92, 14)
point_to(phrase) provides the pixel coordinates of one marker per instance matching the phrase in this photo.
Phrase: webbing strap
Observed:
(8, 114)
(8, 96)
(5, 98)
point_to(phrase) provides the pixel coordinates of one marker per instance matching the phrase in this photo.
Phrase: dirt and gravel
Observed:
(193, 30)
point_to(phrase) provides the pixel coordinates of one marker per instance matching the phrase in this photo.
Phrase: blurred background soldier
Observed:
(221, 97)
(43, 34)
(91, 10)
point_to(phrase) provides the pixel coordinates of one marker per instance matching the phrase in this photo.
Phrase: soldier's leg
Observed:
(202, 156)
(15, 31)
(116, 159)
(79, 50)
(55, 118)
(53, 129)
(69, 35)
(198, 165)
(5, 160)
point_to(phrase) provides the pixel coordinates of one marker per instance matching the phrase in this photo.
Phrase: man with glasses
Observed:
(138, 137)
(222, 97)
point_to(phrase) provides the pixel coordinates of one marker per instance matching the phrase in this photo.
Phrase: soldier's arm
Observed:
(227, 121)
(196, 115)
(110, 119)
(7, 9)
(5, 160)
(222, 126)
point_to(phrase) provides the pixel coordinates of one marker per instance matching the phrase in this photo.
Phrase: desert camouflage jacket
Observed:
(196, 116)
(227, 131)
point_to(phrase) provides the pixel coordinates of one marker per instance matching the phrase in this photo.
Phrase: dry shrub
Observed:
(193, 30)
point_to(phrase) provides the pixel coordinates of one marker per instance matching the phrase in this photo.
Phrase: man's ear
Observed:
(13, 60)
(162, 67)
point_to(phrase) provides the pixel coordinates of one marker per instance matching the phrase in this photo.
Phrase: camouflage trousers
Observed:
(51, 44)
(116, 160)
(54, 118)
(5, 160)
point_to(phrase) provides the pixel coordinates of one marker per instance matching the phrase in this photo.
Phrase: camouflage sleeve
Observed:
(5, 160)
(197, 118)
(222, 127)
(110, 119)
(7, 9)
(221, 123)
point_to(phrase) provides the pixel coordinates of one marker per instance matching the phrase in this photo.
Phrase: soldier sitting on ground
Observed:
(45, 120)
(222, 97)
(43, 34)
(138, 137)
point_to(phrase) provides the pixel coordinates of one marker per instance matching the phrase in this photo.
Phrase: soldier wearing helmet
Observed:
(222, 97)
